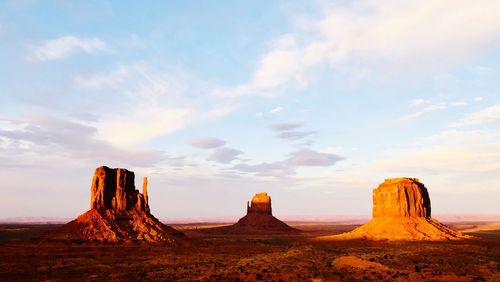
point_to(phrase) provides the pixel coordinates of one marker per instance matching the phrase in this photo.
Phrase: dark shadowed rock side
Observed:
(118, 213)
(401, 211)
(258, 220)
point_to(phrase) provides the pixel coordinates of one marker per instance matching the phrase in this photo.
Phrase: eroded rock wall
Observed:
(260, 204)
(115, 189)
(401, 197)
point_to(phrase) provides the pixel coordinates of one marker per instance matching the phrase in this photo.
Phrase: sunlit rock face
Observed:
(261, 203)
(118, 213)
(115, 189)
(258, 220)
(401, 211)
(401, 197)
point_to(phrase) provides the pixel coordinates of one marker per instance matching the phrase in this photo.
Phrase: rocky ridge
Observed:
(118, 213)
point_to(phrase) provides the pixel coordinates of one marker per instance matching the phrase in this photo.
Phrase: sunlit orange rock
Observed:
(258, 220)
(261, 203)
(401, 211)
(115, 189)
(405, 197)
(118, 213)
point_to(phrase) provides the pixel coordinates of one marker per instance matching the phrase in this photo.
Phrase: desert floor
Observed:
(209, 257)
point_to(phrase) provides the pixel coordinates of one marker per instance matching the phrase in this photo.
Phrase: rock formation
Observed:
(261, 203)
(401, 211)
(258, 220)
(401, 197)
(118, 212)
(115, 189)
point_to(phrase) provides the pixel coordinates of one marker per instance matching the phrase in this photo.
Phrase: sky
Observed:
(314, 102)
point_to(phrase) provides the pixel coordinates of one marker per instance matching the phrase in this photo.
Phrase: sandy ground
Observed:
(208, 257)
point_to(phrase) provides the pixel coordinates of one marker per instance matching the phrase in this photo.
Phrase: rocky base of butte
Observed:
(118, 213)
(401, 211)
(258, 220)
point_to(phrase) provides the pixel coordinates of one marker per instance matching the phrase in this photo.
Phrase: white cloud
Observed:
(306, 157)
(62, 47)
(487, 115)
(144, 123)
(405, 38)
(153, 104)
(207, 143)
(284, 62)
(428, 109)
(41, 137)
(419, 102)
(224, 155)
(286, 126)
(478, 99)
(277, 110)
(295, 135)
(113, 80)
(428, 106)
(296, 159)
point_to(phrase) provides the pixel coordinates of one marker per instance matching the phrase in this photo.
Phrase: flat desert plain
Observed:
(205, 256)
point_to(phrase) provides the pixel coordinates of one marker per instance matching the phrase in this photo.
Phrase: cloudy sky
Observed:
(315, 102)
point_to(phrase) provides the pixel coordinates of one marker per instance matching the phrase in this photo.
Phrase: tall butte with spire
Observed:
(258, 220)
(401, 211)
(118, 212)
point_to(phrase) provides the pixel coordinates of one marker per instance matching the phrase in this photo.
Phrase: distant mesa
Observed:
(401, 211)
(258, 220)
(118, 213)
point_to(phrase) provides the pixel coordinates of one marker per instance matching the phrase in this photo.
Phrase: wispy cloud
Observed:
(277, 110)
(306, 157)
(295, 135)
(207, 143)
(102, 81)
(285, 126)
(224, 155)
(428, 106)
(404, 39)
(428, 109)
(299, 158)
(36, 136)
(154, 103)
(487, 115)
(63, 47)
(419, 102)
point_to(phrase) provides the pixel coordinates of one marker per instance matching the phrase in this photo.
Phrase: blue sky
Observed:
(314, 102)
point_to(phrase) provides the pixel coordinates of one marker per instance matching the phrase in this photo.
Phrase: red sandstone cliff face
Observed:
(261, 203)
(401, 197)
(401, 211)
(115, 189)
(118, 213)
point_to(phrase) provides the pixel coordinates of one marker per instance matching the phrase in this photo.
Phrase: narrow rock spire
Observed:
(145, 189)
